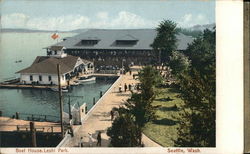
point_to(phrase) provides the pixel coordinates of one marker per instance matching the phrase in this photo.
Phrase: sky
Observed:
(116, 14)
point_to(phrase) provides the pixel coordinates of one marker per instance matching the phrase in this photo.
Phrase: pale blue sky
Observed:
(69, 15)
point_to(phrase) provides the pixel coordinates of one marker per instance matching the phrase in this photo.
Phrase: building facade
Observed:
(43, 70)
(117, 47)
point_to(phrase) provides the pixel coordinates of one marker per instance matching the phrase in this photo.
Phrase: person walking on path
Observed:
(81, 142)
(129, 87)
(120, 88)
(90, 140)
(125, 87)
(99, 139)
(112, 115)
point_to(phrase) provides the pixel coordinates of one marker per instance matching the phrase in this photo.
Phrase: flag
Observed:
(55, 36)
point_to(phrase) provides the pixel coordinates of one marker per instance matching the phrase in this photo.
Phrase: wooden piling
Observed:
(33, 134)
(17, 115)
(100, 94)
(60, 99)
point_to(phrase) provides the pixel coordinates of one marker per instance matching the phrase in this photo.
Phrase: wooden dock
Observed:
(17, 85)
(10, 125)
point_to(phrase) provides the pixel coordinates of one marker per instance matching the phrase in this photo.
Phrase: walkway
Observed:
(99, 119)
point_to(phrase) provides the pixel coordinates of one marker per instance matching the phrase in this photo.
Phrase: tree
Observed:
(197, 86)
(149, 79)
(141, 109)
(124, 132)
(178, 63)
(165, 41)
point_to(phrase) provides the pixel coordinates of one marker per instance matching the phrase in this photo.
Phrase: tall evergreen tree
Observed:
(197, 86)
(165, 41)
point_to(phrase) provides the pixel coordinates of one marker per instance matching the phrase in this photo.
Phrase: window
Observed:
(126, 42)
(87, 42)
(40, 78)
(49, 77)
(31, 78)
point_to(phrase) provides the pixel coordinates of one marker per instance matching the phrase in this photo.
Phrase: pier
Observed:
(98, 118)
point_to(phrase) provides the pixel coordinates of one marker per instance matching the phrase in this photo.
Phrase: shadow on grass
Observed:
(165, 121)
(172, 108)
(174, 90)
(164, 99)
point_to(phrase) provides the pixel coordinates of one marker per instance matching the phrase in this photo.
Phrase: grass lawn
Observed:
(163, 129)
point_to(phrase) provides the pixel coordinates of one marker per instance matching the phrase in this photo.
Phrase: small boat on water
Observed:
(85, 79)
(75, 83)
(64, 89)
(18, 61)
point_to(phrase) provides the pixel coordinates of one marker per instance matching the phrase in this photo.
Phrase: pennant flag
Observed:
(55, 36)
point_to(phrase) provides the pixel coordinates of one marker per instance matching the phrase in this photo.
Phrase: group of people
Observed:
(91, 139)
(129, 87)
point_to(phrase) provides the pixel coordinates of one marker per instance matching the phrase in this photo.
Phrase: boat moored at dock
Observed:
(85, 79)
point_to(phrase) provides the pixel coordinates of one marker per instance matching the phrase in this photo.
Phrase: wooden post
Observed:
(93, 100)
(33, 134)
(60, 99)
(17, 115)
(70, 116)
(100, 94)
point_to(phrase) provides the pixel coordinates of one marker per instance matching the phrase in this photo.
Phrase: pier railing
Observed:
(37, 117)
(45, 129)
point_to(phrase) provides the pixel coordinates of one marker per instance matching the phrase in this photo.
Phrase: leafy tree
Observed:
(197, 86)
(124, 132)
(141, 109)
(179, 63)
(165, 41)
(149, 78)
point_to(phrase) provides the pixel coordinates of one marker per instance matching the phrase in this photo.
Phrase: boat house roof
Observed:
(48, 65)
(107, 38)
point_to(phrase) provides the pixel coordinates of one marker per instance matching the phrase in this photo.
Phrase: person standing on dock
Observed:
(112, 115)
(90, 140)
(120, 88)
(125, 87)
(99, 139)
(81, 142)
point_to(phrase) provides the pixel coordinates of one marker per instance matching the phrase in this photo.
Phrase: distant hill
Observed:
(202, 27)
(20, 30)
(197, 28)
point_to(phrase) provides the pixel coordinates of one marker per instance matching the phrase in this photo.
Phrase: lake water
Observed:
(25, 47)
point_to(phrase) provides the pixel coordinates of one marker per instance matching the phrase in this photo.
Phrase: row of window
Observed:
(40, 78)
(117, 42)
(138, 53)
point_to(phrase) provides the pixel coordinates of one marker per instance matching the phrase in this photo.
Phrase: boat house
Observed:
(43, 71)
(117, 46)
